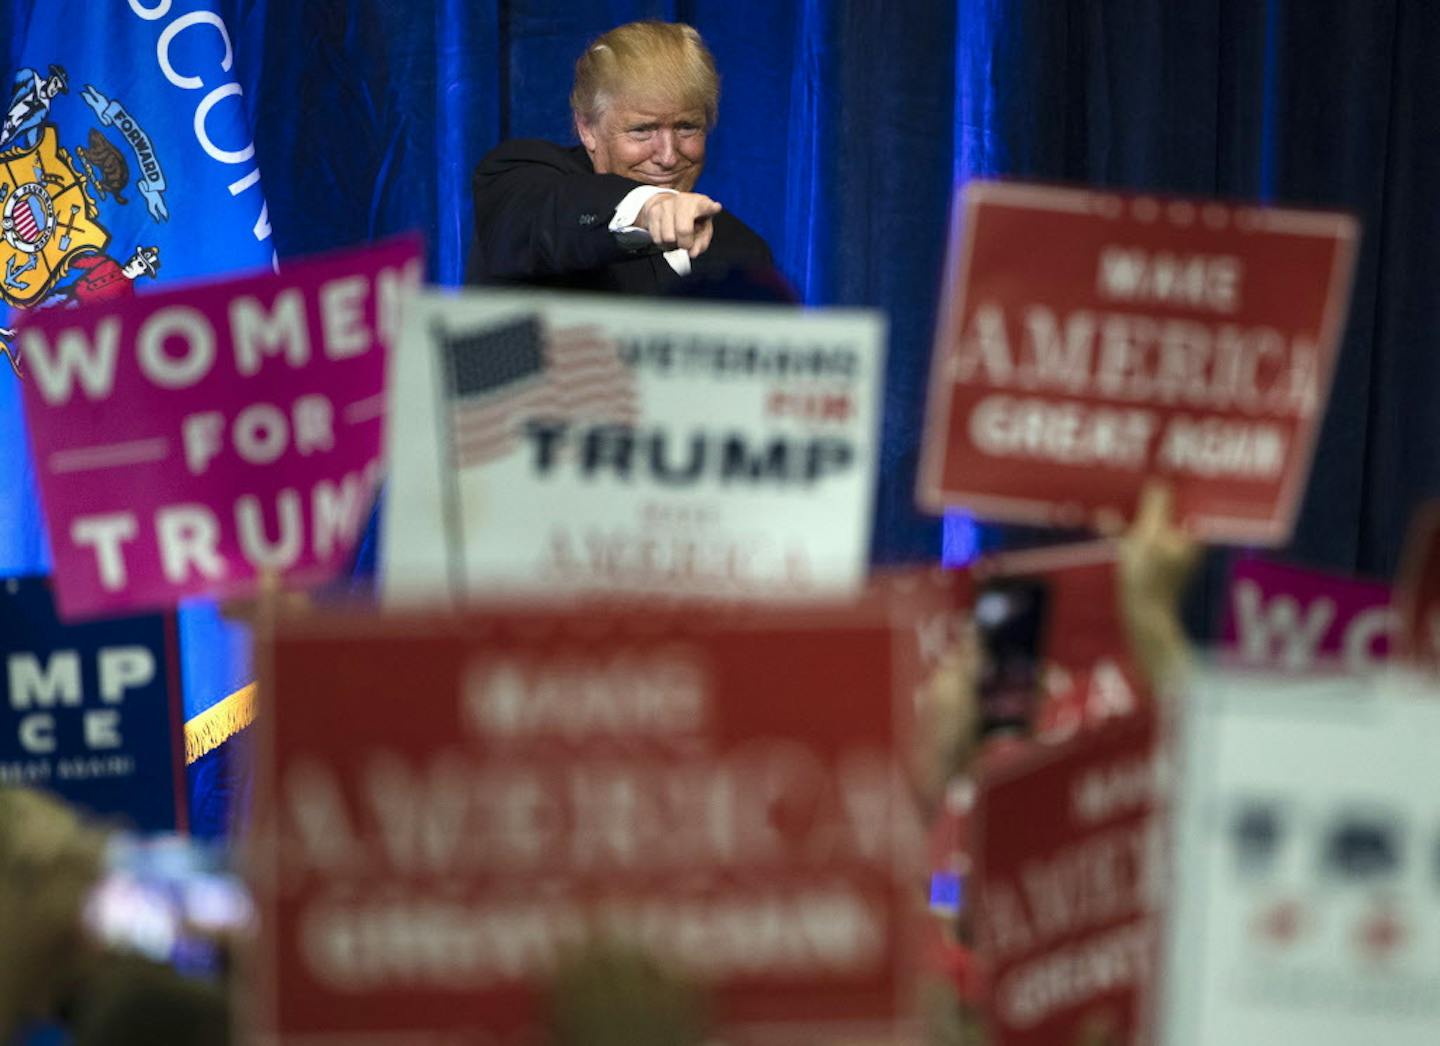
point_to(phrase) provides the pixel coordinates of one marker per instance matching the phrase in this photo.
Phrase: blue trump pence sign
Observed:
(90, 711)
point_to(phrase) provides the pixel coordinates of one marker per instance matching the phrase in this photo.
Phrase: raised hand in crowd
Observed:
(947, 720)
(1156, 559)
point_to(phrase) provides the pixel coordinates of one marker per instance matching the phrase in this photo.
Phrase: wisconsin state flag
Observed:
(126, 159)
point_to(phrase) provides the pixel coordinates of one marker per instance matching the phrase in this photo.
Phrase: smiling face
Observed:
(655, 143)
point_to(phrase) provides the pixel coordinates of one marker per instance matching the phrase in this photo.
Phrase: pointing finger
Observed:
(704, 231)
(684, 227)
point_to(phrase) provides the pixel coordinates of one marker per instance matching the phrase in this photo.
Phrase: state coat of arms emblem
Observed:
(47, 219)
(52, 240)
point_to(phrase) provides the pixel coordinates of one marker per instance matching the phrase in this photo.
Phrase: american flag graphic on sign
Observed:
(499, 376)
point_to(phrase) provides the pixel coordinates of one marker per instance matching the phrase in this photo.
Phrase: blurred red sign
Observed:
(1091, 340)
(1089, 676)
(1063, 851)
(447, 808)
(932, 605)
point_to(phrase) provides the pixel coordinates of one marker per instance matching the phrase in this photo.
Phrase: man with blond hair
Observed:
(619, 211)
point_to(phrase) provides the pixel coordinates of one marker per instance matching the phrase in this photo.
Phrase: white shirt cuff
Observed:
(629, 209)
(634, 202)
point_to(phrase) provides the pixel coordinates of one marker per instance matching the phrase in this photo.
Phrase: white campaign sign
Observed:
(1307, 885)
(551, 443)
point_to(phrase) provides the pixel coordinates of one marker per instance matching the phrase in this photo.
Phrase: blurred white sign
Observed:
(551, 443)
(1307, 875)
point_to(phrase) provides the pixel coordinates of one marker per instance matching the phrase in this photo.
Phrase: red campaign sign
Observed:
(1417, 589)
(1090, 676)
(1065, 928)
(1091, 340)
(447, 808)
(930, 607)
(935, 603)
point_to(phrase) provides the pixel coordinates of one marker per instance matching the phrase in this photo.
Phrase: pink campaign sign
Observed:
(187, 441)
(1288, 617)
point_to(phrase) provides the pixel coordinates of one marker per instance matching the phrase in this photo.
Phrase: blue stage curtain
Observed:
(844, 125)
(1307, 102)
(835, 142)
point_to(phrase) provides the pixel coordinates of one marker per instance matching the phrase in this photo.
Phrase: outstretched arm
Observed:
(537, 219)
(540, 213)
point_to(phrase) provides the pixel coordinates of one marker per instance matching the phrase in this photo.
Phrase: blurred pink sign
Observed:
(1289, 617)
(188, 441)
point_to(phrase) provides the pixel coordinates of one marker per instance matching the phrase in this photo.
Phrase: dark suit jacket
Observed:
(542, 216)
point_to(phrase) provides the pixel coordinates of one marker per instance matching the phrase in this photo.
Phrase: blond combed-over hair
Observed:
(646, 61)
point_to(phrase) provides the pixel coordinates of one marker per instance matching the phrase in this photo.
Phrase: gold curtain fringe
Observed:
(218, 723)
